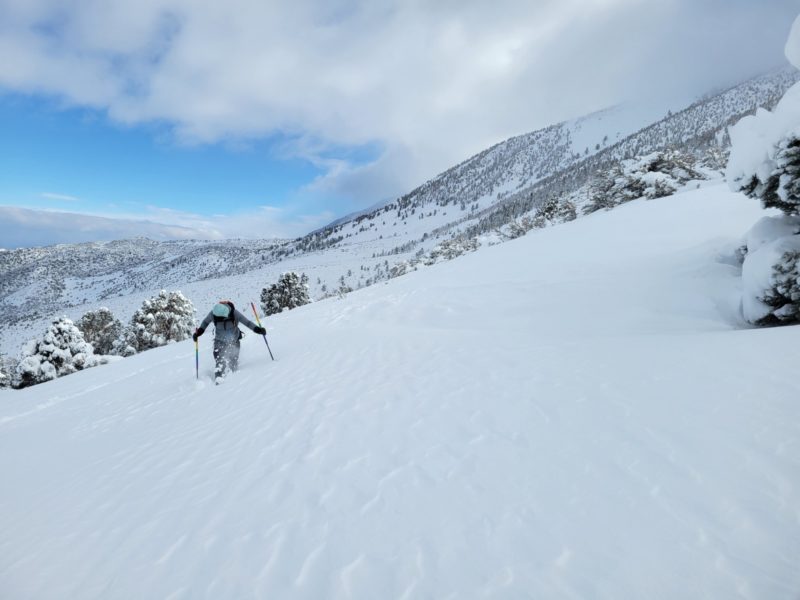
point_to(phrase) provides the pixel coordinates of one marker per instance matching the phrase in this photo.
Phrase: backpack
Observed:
(231, 318)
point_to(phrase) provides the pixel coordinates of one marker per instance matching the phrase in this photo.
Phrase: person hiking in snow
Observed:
(226, 335)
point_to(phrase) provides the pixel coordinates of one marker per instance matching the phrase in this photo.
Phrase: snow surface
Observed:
(573, 414)
(769, 229)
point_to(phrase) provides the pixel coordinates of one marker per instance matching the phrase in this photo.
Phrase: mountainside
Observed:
(555, 417)
(473, 199)
(66, 275)
(524, 170)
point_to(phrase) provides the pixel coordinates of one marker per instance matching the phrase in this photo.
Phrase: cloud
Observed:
(265, 222)
(59, 197)
(23, 227)
(427, 83)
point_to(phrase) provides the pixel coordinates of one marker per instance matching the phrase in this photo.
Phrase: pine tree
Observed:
(100, 328)
(781, 189)
(61, 351)
(784, 295)
(167, 317)
(7, 368)
(290, 291)
(566, 211)
(653, 176)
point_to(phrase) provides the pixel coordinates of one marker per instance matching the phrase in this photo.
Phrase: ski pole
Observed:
(197, 359)
(255, 312)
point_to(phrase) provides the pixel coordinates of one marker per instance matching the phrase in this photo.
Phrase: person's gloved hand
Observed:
(197, 333)
(260, 330)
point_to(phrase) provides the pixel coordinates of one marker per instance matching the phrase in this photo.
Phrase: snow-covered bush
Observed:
(715, 158)
(517, 228)
(770, 275)
(61, 351)
(290, 291)
(653, 176)
(765, 164)
(450, 249)
(554, 211)
(401, 268)
(100, 328)
(777, 182)
(566, 211)
(783, 297)
(167, 317)
(7, 367)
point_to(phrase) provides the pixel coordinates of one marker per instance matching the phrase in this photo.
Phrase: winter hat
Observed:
(221, 310)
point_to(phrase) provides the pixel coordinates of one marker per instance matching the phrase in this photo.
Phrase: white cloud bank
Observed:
(429, 82)
(23, 227)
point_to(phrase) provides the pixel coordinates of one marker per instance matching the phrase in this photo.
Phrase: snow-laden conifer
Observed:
(653, 176)
(450, 249)
(290, 291)
(60, 351)
(100, 328)
(164, 318)
(7, 367)
(764, 164)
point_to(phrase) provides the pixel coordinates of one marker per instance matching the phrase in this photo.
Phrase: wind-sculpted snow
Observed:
(540, 419)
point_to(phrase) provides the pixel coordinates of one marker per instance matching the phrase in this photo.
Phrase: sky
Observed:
(254, 118)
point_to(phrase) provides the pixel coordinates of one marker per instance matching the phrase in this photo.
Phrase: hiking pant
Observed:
(226, 355)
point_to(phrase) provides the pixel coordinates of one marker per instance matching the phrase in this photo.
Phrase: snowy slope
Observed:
(544, 418)
(477, 196)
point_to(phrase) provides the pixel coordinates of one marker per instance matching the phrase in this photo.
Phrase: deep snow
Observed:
(574, 414)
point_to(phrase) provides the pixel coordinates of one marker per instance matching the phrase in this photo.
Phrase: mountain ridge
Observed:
(471, 199)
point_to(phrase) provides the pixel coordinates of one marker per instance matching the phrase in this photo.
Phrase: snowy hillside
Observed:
(540, 419)
(524, 170)
(474, 198)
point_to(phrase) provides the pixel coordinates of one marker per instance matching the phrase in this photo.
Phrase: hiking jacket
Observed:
(227, 331)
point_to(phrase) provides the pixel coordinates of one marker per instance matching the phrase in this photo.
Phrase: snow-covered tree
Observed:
(517, 228)
(400, 269)
(653, 176)
(61, 351)
(167, 317)
(343, 288)
(783, 296)
(7, 368)
(765, 164)
(450, 249)
(566, 211)
(100, 328)
(777, 182)
(290, 291)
